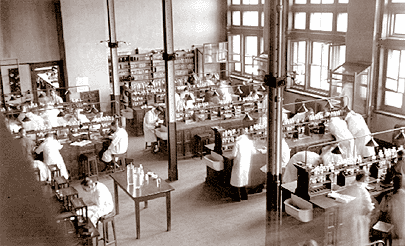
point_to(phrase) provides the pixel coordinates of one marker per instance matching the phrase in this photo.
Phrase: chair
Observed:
(55, 172)
(383, 231)
(108, 218)
(89, 162)
(121, 159)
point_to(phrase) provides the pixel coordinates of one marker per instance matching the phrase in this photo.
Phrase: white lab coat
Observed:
(242, 152)
(290, 172)
(355, 216)
(100, 202)
(44, 173)
(149, 125)
(358, 127)
(52, 156)
(119, 144)
(285, 155)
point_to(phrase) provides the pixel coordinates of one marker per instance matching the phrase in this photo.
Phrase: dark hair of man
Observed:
(114, 124)
(361, 176)
(87, 182)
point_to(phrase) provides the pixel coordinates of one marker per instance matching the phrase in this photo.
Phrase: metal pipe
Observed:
(169, 57)
(113, 44)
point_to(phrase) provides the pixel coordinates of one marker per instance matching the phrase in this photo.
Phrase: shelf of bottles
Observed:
(228, 137)
(200, 111)
(320, 179)
(310, 123)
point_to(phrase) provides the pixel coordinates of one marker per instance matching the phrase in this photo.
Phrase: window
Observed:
(392, 70)
(314, 43)
(245, 34)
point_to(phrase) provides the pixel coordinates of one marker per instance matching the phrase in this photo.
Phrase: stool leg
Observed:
(96, 167)
(98, 231)
(113, 228)
(107, 240)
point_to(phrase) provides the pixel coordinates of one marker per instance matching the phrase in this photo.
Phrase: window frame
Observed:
(332, 38)
(244, 31)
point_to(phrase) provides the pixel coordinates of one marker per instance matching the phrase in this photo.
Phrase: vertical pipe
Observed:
(114, 56)
(169, 57)
(375, 60)
(276, 82)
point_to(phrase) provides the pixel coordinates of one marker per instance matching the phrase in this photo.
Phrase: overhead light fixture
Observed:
(329, 105)
(400, 136)
(26, 119)
(302, 109)
(261, 88)
(61, 114)
(238, 91)
(372, 143)
(12, 98)
(94, 110)
(215, 93)
(247, 117)
(336, 150)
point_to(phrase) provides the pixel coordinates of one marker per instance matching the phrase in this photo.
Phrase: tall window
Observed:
(245, 34)
(392, 93)
(317, 26)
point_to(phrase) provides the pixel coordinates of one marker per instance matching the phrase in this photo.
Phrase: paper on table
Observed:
(81, 144)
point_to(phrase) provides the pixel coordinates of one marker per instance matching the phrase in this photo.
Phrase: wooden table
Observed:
(148, 191)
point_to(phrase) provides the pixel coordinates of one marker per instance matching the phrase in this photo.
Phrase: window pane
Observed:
(238, 67)
(393, 99)
(250, 18)
(399, 27)
(250, 51)
(343, 1)
(402, 66)
(263, 1)
(298, 62)
(393, 64)
(363, 92)
(261, 45)
(319, 66)
(398, 1)
(322, 1)
(401, 85)
(235, 47)
(300, 1)
(235, 2)
(342, 22)
(321, 21)
(236, 18)
(299, 20)
(251, 2)
(262, 19)
(391, 84)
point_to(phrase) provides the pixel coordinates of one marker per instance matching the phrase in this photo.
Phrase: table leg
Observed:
(137, 220)
(117, 208)
(168, 211)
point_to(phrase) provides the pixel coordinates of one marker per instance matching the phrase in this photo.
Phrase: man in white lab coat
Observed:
(119, 143)
(242, 153)
(150, 122)
(52, 156)
(99, 202)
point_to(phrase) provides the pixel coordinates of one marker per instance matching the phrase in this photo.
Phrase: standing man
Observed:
(150, 121)
(242, 153)
(50, 146)
(119, 144)
(27, 144)
(55, 99)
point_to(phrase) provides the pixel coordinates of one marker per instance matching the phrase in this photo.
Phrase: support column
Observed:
(275, 81)
(169, 57)
(113, 45)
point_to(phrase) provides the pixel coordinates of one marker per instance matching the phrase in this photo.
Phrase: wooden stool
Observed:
(55, 172)
(60, 182)
(89, 161)
(384, 231)
(105, 219)
(147, 145)
(200, 140)
(121, 159)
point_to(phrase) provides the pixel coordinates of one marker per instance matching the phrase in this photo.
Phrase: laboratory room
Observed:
(191, 122)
